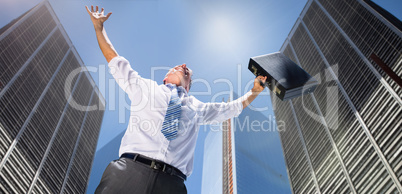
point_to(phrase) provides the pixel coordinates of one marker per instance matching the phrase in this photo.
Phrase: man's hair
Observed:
(191, 82)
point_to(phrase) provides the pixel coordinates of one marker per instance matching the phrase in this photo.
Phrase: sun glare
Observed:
(221, 34)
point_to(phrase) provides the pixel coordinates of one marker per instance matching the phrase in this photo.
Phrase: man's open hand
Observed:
(98, 18)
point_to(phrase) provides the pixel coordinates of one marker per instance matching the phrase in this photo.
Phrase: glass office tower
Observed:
(250, 159)
(50, 108)
(212, 163)
(346, 136)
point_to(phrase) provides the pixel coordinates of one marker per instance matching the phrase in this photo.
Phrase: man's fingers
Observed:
(262, 80)
(102, 10)
(89, 12)
(92, 8)
(108, 15)
(97, 9)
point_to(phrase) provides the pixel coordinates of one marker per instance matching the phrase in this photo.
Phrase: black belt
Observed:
(155, 164)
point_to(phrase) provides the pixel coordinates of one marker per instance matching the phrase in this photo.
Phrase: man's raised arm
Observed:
(104, 43)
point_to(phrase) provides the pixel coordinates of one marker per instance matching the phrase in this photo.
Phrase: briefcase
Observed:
(285, 78)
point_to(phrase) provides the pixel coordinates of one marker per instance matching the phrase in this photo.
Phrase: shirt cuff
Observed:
(244, 97)
(116, 60)
(239, 102)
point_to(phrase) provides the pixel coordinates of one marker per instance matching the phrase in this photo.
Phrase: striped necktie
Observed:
(171, 123)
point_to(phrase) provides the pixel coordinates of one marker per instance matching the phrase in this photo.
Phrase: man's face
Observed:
(179, 75)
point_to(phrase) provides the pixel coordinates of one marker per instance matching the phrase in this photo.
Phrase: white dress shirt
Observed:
(149, 102)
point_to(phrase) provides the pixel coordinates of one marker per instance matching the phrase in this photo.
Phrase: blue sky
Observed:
(215, 38)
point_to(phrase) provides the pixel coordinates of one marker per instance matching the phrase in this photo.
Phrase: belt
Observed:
(155, 164)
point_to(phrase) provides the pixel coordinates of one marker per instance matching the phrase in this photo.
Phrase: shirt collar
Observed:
(180, 89)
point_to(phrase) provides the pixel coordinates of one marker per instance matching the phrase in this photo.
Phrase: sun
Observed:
(221, 34)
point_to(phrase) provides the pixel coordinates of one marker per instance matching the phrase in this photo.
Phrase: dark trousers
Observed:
(127, 176)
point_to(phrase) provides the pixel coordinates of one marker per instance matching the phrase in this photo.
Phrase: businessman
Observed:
(157, 149)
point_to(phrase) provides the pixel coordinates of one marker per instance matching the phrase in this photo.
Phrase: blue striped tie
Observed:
(171, 123)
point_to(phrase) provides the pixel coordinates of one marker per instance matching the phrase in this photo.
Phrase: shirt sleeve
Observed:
(128, 79)
(214, 113)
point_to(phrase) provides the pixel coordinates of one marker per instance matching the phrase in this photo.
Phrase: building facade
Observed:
(212, 172)
(50, 108)
(250, 161)
(346, 136)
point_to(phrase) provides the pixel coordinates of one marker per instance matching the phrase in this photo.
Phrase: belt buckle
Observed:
(155, 165)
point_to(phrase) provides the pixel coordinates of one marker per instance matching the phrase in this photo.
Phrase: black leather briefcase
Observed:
(284, 77)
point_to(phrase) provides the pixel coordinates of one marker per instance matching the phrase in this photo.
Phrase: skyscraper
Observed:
(250, 159)
(50, 108)
(346, 136)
